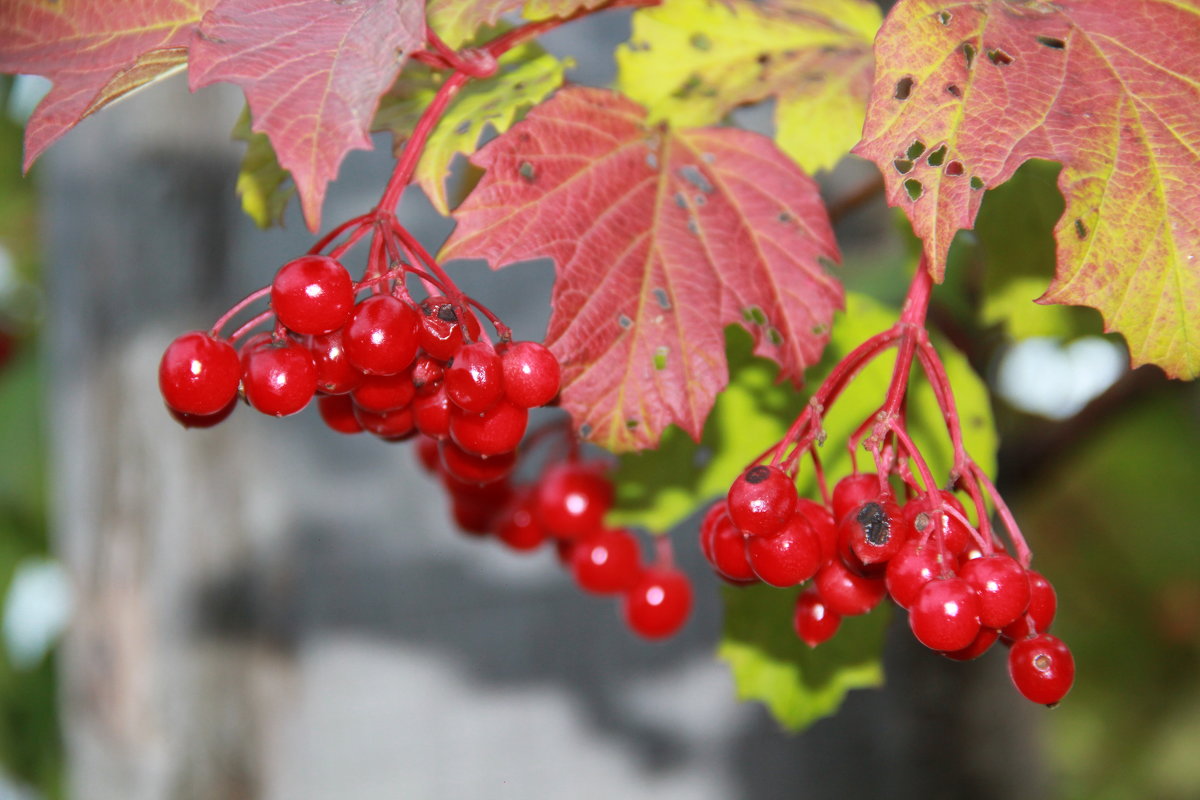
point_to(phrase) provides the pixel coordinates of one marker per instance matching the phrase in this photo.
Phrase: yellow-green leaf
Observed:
(264, 186)
(692, 61)
(526, 76)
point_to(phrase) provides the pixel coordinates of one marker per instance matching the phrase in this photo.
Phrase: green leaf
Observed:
(264, 186)
(526, 76)
(658, 489)
(692, 61)
(798, 684)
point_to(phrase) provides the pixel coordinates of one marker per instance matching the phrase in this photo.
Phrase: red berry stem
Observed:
(1024, 554)
(257, 294)
(325, 240)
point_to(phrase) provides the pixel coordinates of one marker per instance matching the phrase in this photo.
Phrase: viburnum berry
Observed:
(337, 411)
(922, 512)
(395, 425)
(1043, 603)
(761, 500)
(427, 374)
(820, 519)
(870, 535)
(788, 558)
(1042, 668)
(531, 374)
(472, 468)
(726, 548)
(203, 420)
(982, 643)
(812, 620)
(572, 499)
(431, 414)
(658, 603)
(846, 593)
(381, 336)
(381, 393)
(335, 373)
(517, 525)
(312, 294)
(475, 380)
(496, 430)
(852, 491)
(945, 615)
(199, 374)
(442, 333)
(279, 378)
(1003, 588)
(910, 569)
(605, 561)
(476, 508)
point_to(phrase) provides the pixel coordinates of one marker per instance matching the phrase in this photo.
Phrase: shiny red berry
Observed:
(870, 535)
(531, 374)
(572, 499)
(475, 381)
(846, 593)
(381, 393)
(606, 561)
(279, 378)
(313, 294)
(761, 500)
(199, 374)
(431, 414)
(812, 620)
(337, 412)
(335, 373)
(852, 491)
(945, 615)
(473, 468)
(442, 333)
(496, 430)
(909, 570)
(1042, 668)
(658, 603)
(517, 525)
(381, 335)
(788, 558)
(1003, 588)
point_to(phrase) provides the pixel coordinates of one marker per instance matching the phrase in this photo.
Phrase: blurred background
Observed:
(269, 610)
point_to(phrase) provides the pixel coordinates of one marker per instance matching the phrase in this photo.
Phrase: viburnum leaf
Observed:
(526, 75)
(658, 489)
(313, 72)
(798, 684)
(458, 21)
(263, 185)
(965, 93)
(692, 61)
(660, 238)
(94, 52)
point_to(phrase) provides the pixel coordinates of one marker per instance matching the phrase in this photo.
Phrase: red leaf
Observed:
(313, 72)
(660, 239)
(965, 93)
(94, 52)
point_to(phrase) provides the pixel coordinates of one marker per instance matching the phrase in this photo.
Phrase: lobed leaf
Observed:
(965, 93)
(94, 53)
(692, 61)
(527, 74)
(798, 684)
(660, 238)
(313, 73)
(262, 184)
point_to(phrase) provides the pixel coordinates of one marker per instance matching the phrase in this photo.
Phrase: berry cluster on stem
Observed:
(893, 530)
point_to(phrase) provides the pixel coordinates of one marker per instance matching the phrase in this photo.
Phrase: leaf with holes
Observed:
(95, 53)
(798, 684)
(965, 93)
(660, 238)
(264, 186)
(526, 75)
(692, 61)
(313, 73)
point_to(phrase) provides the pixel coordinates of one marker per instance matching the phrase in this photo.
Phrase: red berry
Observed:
(496, 430)
(982, 643)
(909, 570)
(431, 414)
(852, 491)
(427, 374)
(203, 420)
(429, 455)
(335, 374)
(1003, 588)
(381, 393)
(788, 558)
(337, 411)
(393, 425)
(517, 525)
(1043, 603)
(199, 374)
(921, 512)
(945, 615)
(605, 561)
(1042, 668)
(441, 333)
(531, 374)
(658, 603)
(279, 378)
(707, 525)
(475, 381)
(381, 336)
(813, 622)
(727, 551)
(761, 500)
(572, 499)
(473, 468)
(313, 294)
(870, 535)
(846, 593)
(820, 519)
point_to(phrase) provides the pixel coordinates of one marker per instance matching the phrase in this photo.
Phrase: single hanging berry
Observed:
(813, 621)
(1042, 668)
(658, 603)
(199, 374)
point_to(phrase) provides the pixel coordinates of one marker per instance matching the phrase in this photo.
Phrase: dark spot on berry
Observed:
(921, 522)
(756, 475)
(446, 313)
(903, 88)
(875, 525)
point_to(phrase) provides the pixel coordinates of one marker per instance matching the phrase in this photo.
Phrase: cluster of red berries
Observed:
(384, 364)
(961, 590)
(566, 506)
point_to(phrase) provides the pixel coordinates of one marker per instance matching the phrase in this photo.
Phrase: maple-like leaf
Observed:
(692, 61)
(660, 238)
(457, 22)
(94, 53)
(313, 72)
(525, 76)
(966, 92)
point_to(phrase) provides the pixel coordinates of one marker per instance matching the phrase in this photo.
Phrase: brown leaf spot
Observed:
(1051, 42)
(903, 88)
(954, 169)
(1081, 230)
(999, 57)
(953, 90)
(969, 51)
(526, 171)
